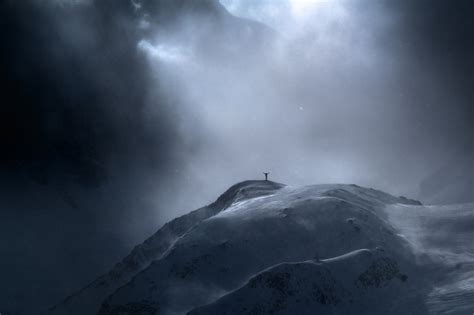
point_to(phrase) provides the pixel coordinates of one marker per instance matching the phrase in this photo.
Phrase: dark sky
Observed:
(118, 115)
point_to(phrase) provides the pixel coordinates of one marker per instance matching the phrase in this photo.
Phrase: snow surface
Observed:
(361, 282)
(442, 237)
(263, 247)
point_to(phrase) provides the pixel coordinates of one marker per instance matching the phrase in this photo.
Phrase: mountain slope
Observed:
(221, 253)
(361, 282)
(88, 299)
(441, 237)
(263, 247)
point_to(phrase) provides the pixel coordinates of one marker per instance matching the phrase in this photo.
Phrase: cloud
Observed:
(126, 114)
(165, 53)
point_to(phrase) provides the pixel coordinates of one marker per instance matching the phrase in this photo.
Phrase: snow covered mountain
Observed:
(264, 247)
(88, 299)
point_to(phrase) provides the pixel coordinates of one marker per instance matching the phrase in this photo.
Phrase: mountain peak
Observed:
(246, 190)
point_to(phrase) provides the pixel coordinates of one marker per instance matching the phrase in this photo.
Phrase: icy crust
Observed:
(361, 282)
(259, 228)
(88, 299)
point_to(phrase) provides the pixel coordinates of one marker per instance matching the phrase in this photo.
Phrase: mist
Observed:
(121, 115)
(336, 92)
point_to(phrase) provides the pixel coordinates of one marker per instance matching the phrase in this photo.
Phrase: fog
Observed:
(120, 115)
(336, 94)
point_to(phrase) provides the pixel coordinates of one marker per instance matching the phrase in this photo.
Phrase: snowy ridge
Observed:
(263, 247)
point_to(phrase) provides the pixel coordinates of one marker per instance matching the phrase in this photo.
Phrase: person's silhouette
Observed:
(266, 175)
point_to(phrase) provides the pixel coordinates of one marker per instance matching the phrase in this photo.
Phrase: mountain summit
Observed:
(266, 248)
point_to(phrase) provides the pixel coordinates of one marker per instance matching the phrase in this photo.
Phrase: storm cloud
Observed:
(119, 115)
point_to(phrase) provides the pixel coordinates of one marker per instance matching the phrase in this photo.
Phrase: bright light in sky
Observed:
(300, 8)
(279, 13)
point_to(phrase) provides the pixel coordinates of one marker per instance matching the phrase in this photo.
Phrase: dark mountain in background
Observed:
(81, 156)
(75, 82)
